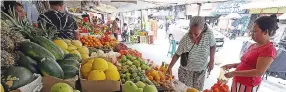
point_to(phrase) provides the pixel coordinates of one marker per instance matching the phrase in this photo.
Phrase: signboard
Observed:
(192, 9)
(230, 7)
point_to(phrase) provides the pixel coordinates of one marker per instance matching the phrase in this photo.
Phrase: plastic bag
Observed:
(221, 75)
(179, 86)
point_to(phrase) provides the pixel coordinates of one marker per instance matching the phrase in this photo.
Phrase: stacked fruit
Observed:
(159, 78)
(220, 86)
(99, 69)
(91, 41)
(119, 47)
(73, 47)
(107, 42)
(41, 56)
(132, 69)
(131, 52)
(129, 86)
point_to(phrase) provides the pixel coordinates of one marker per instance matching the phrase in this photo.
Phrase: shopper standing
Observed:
(125, 33)
(198, 44)
(257, 59)
(115, 27)
(59, 19)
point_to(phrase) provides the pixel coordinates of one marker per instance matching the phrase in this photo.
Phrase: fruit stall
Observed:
(35, 60)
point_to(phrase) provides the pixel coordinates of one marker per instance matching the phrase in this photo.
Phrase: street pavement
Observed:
(226, 55)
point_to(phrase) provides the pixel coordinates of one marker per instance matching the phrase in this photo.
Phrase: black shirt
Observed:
(64, 23)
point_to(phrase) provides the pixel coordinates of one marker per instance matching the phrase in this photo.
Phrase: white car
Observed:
(180, 28)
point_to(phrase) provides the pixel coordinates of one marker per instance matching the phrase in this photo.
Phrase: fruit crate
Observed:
(49, 81)
(98, 85)
(143, 39)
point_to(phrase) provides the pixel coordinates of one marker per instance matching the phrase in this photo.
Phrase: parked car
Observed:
(181, 27)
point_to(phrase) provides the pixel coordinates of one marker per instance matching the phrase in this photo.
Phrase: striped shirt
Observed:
(199, 54)
(63, 22)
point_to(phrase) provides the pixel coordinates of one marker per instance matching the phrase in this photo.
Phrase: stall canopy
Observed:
(145, 4)
(266, 6)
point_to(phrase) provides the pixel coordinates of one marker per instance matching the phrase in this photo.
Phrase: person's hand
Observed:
(210, 66)
(227, 66)
(229, 75)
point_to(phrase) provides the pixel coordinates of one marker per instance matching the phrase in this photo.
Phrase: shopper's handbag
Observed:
(185, 57)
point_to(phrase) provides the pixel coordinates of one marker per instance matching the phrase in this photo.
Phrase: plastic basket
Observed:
(34, 86)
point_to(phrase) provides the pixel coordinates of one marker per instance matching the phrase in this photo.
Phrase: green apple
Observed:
(150, 88)
(129, 86)
(140, 84)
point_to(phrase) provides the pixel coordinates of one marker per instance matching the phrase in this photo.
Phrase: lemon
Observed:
(111, 66)
(99, 64)
(76, 43)
(84, 56)
(83, 50)
(112, 75)
(90, 61)
(71, 47)
(86, 69)
(96, 75)
(61, 44)
(2, 89)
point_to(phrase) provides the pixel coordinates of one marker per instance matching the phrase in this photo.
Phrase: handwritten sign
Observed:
(230, 7)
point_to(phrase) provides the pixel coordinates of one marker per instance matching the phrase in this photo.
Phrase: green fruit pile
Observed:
(130, 86)
(42, 56)
(133, 69)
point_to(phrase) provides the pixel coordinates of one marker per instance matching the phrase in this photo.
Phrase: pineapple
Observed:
(13, 32)
(7, 59)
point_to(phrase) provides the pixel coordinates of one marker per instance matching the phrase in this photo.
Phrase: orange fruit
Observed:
(150, 78)
(157, 78)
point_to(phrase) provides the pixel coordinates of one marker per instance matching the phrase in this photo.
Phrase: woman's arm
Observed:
(174, 60)
(212, 54)
(262, 65)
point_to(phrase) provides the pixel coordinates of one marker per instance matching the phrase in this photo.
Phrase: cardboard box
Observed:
(98, 86)
(49, 81)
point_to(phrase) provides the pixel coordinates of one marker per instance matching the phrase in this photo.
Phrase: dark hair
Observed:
(117, 19)
(267, 24)
(124, 24)
(59, 2)
(10, 5)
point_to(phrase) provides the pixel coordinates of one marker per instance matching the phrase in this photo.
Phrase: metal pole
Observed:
(199, 10)
(141, 23)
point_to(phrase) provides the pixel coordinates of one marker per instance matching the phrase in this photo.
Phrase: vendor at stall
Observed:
(57, 18)
(256, 60)
(13, 6)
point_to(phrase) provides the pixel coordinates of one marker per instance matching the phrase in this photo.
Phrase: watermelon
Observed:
(50, 46)
(69, 62)
(69, 71)
(73, 56)
(16, 77)
(35, 51)
(49, 67)
(28, 63)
